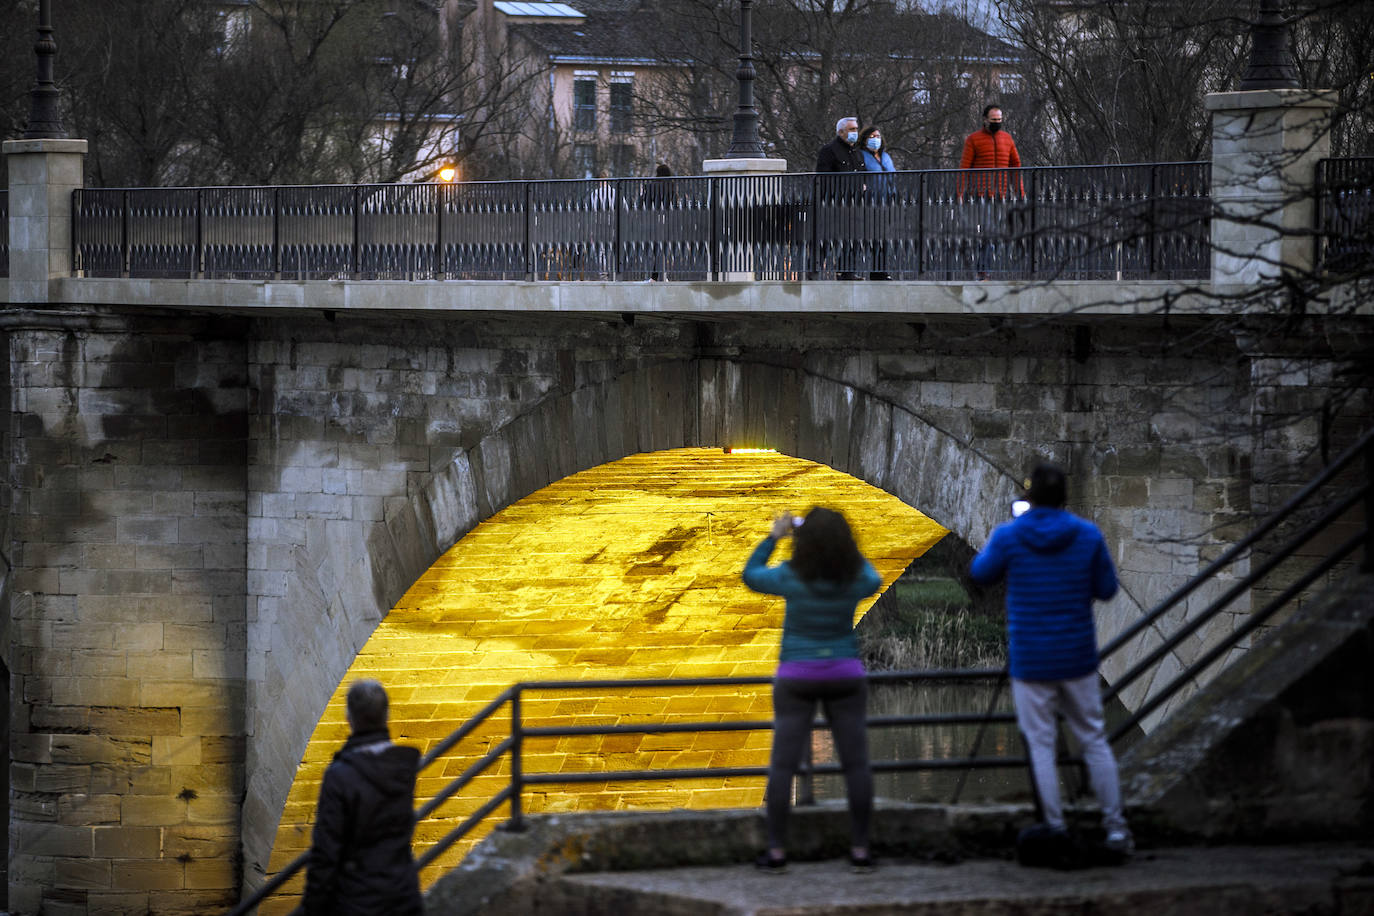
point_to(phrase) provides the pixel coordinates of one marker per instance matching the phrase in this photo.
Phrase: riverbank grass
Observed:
(929, 623)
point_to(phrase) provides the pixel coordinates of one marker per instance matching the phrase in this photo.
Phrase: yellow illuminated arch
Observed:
(630, 569)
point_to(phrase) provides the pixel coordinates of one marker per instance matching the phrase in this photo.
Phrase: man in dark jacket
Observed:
(1056, 564)
(842, 155)
(360, 860)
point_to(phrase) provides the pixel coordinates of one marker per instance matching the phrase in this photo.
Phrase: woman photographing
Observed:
(822, 584)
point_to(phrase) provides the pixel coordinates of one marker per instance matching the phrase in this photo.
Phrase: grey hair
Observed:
(367, 706)
(839, 125)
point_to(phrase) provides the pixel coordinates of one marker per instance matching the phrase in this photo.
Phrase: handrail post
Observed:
(124, 254)
(815, 225)
(528, 246)
(198, 259)
(615, 240)
(1153, 227)
(276, 233)
(517, 773)
(712, 205)
(438, 266)
(806, 777)
(353, 254)
(920, 225)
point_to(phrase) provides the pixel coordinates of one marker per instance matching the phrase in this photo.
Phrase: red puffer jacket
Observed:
(984, 150)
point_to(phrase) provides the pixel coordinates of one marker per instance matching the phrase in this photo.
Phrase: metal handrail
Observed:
(1147, 220)
(1362, 537)
(1343, 218)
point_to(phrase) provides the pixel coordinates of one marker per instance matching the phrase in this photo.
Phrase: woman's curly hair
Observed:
(823, 548)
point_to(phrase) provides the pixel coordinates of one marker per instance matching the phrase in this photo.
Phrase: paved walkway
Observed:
(630, 569)
(1216, 881)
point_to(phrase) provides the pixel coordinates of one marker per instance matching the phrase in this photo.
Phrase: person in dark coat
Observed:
(360, 860)
(842, 155)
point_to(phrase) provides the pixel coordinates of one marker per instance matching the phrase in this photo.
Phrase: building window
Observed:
(1009, 83)
(920, 90)
(584, 103)
(623, 160)
(584, 160)
(622, 103)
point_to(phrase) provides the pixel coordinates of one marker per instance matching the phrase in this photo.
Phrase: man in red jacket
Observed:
(989, 148)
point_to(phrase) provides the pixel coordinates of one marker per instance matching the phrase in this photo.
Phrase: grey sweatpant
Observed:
(1079, 701)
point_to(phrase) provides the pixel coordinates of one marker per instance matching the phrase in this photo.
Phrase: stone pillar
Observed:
(740, 168)
(43, 174)
(125, 529)
(1265, 148)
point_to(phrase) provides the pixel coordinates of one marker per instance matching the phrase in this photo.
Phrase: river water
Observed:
(928, 742)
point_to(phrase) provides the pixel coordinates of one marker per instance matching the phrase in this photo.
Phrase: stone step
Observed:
(1209, 881)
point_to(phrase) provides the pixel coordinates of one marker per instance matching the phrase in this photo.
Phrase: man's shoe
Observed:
(1119, 842)
(766, 863)
(846, 275)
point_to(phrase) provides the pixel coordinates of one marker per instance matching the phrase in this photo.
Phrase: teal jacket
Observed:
(819, 618)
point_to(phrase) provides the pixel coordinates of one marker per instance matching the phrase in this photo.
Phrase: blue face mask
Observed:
(852, 137)
(874, 143)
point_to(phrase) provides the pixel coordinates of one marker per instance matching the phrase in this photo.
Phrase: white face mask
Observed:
(852, 137)
(874, 143)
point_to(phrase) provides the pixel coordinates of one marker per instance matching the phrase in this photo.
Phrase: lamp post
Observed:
(746, 143)
(45, 121)
(1271, 64)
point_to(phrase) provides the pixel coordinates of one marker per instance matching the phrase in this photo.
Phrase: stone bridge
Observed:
(217, 489)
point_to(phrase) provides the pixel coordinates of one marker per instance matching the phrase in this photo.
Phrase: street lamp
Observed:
(746, 143)
(45, 121)
(1271, 64)
(448, 173)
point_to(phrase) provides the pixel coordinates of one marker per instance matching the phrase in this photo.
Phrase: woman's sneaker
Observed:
(766, 863)
(861, 864)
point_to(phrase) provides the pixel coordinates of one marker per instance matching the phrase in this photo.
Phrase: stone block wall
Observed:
(125, 449)
(207, 519)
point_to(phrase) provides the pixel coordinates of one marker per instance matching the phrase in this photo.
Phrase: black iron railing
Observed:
(1345, 215)
(4, 233)
(1338, 505)
(1084, 222)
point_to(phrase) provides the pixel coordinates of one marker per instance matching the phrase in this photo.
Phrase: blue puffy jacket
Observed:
(1055, 564)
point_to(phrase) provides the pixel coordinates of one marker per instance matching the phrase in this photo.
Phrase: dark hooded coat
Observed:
(360, 859)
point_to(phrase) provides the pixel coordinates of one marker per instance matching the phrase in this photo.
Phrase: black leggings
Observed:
(794, 706)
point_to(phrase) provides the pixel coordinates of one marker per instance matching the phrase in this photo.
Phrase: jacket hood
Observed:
(1046, 530)
(389, 767)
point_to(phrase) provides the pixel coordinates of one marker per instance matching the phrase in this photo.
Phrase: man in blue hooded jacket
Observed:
(1055, 565)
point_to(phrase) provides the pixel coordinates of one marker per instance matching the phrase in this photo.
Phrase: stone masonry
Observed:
(208, 516)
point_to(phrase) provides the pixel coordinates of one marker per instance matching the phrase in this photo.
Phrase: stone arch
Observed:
(797, 410)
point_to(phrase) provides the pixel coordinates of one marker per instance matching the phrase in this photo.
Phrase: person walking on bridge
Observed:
(360, 859)
(842, 154)
(823, 583)
(987, 191)
(1055, 565)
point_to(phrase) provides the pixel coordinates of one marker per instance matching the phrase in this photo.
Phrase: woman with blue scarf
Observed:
(881, 193)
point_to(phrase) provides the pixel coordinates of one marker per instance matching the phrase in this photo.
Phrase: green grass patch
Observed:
(929, 623)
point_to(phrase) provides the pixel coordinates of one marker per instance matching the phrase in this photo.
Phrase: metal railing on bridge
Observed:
(1345, 216)
(1114, 222)
(1312, 536)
